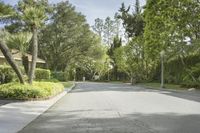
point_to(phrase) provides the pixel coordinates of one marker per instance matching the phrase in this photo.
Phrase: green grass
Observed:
(68, 84)
(157, 86)
(39, 90)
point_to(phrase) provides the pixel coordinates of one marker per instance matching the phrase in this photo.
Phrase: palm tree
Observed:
(20, 41)
(33, 14)
(5, 12)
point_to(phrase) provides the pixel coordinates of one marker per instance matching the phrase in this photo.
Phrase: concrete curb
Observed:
(15, 116)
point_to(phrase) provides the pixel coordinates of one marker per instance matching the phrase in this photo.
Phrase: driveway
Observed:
(119, 108)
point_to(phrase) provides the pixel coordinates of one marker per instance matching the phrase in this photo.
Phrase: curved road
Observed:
(119, 108)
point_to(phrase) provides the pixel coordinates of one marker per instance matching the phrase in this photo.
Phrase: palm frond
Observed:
(19, 41)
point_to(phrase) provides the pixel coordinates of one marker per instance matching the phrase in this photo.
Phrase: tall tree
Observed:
(98, 27)
(33, 13)
(5, 13)
(109, 29)
(172, 26)
(70, 37)
(117, 43)
(132, 22)
(137, 7)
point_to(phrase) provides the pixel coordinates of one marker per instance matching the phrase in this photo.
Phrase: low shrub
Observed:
(41, 74)
(61, 76)
(39, 90)
(50, 80)
(195, 85)
(6, 74)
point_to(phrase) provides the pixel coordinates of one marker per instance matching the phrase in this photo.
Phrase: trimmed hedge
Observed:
(7, 74)
(39, 90)
(41, 74)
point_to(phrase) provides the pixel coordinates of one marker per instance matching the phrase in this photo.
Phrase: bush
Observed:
(50, 80)
(61, 76)
(6, 74)
(176, 72)
(195, 85)
(39, 90)
(41, 74)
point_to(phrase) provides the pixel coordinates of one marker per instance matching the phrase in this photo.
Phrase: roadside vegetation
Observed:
(36, 91)
(166, 26)
(157, 86)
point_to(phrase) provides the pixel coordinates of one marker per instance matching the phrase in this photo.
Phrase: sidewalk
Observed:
(16, 115)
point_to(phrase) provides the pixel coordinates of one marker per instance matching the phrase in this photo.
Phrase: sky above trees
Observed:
(93, 8)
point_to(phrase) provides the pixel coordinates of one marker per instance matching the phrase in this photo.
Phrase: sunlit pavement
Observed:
(15, 115)
(119, 108)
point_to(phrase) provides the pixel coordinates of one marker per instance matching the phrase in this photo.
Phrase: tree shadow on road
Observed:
(4, 102)
(83, 121)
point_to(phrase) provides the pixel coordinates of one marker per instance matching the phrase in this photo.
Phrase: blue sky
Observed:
(94, 8)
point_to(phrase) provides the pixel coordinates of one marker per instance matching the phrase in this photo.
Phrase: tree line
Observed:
(124, 47)
(170, 26)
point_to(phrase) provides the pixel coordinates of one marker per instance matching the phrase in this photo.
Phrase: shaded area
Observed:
(133, 123)
(4, 102)
(57, 120)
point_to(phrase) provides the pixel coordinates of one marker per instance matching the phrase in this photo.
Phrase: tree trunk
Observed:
(11, 61)
(132, 79)
(25, 63)
(34, 55)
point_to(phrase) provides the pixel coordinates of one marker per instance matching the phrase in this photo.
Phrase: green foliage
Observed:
(61, 76)
(107, 29)
(70, 40)
(117, 43)
(5, 11)
(195, 85)
(167, 26)
(177, 72)
(133, 22)
(19, 41)
(6, 74)
(195, 70)
(93, 63)
(42, 74)
(39, 90)
(32, 12)
(131, 60)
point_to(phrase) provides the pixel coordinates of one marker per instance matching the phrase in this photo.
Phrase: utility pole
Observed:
(162, 54)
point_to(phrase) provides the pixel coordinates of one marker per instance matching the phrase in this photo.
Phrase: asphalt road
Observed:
(119, 108)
